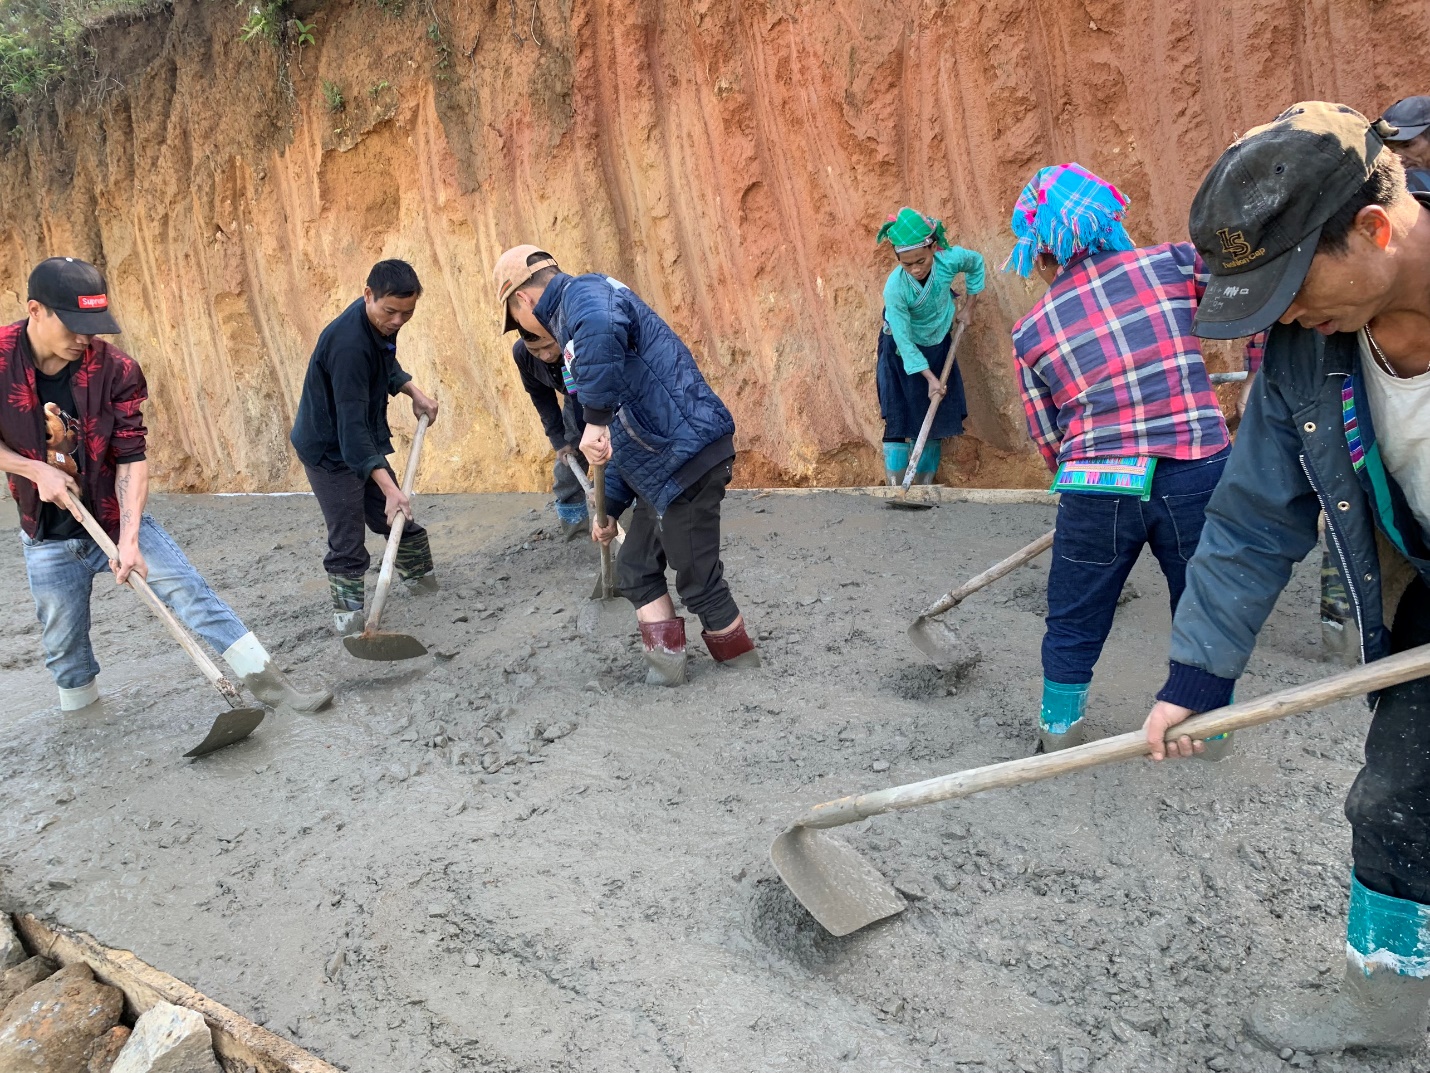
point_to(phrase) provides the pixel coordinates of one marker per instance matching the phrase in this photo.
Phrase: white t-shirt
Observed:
(1400, 408)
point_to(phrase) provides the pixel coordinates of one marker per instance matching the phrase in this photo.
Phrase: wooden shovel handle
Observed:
(993, 573)
(918, 450)
(1403, 667)
(582, 479)
(399, 524)
(139, 585)
(598, 482)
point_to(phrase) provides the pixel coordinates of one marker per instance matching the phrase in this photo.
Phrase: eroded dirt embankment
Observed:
(731, 159)
(523, 858)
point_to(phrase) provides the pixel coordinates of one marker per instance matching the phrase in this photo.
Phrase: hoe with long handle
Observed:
(844, 892)
(372, 643)
(230, 726)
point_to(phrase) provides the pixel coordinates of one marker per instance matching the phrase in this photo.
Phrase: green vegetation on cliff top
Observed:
(39, 40)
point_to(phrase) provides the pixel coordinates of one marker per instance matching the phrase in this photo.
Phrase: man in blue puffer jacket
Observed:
(671, 443)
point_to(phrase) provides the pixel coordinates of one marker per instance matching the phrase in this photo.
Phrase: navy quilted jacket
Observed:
(632, 373)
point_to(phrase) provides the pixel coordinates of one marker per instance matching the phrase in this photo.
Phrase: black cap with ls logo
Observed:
(1258, 216)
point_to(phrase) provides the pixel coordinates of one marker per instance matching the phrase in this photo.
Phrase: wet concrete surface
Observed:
(514, 855)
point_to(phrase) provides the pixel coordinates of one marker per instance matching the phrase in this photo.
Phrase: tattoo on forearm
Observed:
(126, 513)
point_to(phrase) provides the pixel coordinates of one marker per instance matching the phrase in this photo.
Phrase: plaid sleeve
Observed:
(128, 397)
(1255, 352)
(1041, 413)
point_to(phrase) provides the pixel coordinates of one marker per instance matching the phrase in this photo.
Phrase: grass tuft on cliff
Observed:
(40, 40)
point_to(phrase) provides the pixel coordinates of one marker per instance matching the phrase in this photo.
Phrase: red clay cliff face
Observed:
(729, 160)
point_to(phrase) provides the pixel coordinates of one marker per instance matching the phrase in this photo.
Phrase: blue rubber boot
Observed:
(1060, 723)
(896, 461)
(1384, 1001)
(574, 519)
(928, 462)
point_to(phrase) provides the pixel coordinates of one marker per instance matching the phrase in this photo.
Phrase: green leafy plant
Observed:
(377, 88)
(333, 94)
(303, 32)
(41, 40)
(264, 20)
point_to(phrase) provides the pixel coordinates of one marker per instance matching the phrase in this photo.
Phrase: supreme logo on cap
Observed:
(94, 301)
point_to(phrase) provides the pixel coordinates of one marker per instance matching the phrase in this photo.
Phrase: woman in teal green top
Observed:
(919, 313)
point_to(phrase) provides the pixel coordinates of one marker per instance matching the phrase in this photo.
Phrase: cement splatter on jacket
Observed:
(109, 393)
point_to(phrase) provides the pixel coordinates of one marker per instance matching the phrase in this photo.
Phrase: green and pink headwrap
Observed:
(910, 229)
(1066, 211)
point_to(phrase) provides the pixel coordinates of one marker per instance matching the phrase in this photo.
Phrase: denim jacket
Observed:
(1306, 444)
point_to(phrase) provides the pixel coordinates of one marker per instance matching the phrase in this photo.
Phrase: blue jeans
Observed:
(61, 575)
(1099, 538)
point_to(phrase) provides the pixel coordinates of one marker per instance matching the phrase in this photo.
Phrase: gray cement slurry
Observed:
(514, 855)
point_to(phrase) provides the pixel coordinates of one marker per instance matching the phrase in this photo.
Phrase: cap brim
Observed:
(89, 322)
(1250, 302)
(1407, 134)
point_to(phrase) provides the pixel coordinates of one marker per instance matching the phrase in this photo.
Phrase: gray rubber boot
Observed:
(1074, 735)
(421, 586)
(254, 668)
(1380, 1011)
(664, 651)
(349, 623)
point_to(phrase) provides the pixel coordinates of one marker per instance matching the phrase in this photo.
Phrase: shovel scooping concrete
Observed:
(844, 892)
(590, 491)
(937, 639)
(233, 725)
(605, 595)
(902, 501)
(372, 643)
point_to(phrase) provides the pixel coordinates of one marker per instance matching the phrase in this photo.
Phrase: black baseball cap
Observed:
(1410, 116)
(1257, 218)
(75, 291)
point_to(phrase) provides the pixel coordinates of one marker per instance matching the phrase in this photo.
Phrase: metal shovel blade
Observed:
(841, 890)
(231, 726)
(384, 647)
(903, 503)
(938, 641)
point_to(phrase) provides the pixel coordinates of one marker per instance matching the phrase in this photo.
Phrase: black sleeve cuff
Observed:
(124, 460)
(595, 416)
(1194, 688)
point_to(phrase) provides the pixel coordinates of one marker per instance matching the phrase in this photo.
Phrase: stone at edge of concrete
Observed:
(103, 1052)
(11, 950)
(23, 977)
(49, 1027)
(168, 1039)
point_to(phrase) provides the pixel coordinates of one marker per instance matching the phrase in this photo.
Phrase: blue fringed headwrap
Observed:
(1066, 211)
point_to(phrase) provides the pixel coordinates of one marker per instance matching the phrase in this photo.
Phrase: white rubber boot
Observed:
(72, 700)
(255, 669)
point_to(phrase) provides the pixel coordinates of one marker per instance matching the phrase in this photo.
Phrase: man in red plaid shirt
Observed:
(1119, 403)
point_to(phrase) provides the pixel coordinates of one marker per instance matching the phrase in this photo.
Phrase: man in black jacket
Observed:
(342, 437)
(543, 372)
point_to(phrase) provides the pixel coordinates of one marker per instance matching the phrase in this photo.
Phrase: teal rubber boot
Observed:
(1384, 1001)
(896, 461)
(928, 462)
(1060, 722)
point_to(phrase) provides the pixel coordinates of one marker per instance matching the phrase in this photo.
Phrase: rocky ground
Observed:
(513, 855)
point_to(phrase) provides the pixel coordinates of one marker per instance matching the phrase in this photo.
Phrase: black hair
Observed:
(394, 279)
(1384, 187)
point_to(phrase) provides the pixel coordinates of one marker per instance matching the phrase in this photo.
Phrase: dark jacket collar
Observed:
(550, 301)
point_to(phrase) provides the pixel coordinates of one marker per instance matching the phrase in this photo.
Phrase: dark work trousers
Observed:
(347, 501)
(1099, 538)
(688, 539)
(1389, 803)
(570, 499)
